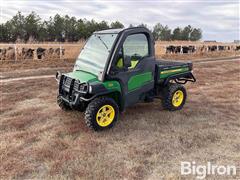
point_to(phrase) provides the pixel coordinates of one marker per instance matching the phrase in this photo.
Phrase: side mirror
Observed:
(127, 61)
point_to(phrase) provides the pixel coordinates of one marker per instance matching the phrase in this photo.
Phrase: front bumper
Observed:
(70, 92)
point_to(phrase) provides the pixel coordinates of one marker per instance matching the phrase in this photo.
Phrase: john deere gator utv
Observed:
(116, 69)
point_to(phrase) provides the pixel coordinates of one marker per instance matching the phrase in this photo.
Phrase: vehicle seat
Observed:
(134, 62)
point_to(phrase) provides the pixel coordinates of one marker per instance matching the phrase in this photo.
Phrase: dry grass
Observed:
(26, 64)
(38, 140)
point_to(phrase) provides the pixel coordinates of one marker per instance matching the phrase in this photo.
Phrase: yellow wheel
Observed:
(101, 113)
(105, 115)
(174, 97)
(177, 98)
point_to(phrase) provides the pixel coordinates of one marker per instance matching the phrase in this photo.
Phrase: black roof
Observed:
(115, 31)
(109, 31)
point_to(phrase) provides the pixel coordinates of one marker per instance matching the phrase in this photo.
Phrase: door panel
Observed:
(139, 80)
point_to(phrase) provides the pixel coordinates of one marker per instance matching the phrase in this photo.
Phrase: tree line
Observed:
(65, 28)
(187, 33)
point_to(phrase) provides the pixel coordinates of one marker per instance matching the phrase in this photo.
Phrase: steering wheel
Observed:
(136, 56)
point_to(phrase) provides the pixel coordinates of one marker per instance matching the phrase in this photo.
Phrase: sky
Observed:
(219, 19)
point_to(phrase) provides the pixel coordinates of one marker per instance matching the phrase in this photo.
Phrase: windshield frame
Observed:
(102, 73)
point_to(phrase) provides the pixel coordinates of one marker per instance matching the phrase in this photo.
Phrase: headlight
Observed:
(83, 88)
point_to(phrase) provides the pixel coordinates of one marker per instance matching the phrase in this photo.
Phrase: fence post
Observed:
(60, 52)
(15, 51)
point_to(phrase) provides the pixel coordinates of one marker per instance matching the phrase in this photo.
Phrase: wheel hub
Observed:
(177, 99)
(105, 115)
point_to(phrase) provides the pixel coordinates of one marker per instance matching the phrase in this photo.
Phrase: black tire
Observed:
(63, 104)
(82, 107)
(92, 110)
(168, 93)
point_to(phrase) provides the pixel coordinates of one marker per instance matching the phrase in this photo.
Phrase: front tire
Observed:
(102, 113)
(174, 97)
(82, 107)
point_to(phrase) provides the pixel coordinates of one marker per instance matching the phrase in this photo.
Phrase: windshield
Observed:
(94, 55)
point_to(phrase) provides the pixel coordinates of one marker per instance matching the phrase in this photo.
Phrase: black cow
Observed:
(41, 53)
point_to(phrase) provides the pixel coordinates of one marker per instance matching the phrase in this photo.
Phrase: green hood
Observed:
(82, 76)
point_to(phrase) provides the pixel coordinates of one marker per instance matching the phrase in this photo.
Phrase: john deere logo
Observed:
(110, 84)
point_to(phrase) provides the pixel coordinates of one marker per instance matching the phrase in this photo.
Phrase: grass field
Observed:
(38, 140)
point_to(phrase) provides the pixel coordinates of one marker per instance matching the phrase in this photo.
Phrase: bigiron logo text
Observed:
(201, 171)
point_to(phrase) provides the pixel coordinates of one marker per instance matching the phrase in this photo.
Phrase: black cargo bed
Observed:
(164, 64)
(178, 71)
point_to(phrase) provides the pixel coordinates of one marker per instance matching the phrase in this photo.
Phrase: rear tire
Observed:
(63, 105)
(174, 97)
(102, 113)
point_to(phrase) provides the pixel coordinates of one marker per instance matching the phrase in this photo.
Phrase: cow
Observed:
(49, 53)
(3, 53)
(41, 53)
(173, 49)
(170, 49)
(237, 48)
(185, 49)
(177, 49)
(212, 48)
(59, 52)
(27, 53)
(221, 48)
(10, 53)
(192, 49)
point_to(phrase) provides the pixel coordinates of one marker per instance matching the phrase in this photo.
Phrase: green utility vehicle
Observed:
(116, 69)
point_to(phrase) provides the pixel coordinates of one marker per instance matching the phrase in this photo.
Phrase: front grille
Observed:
(76, 85)
(67, 81)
